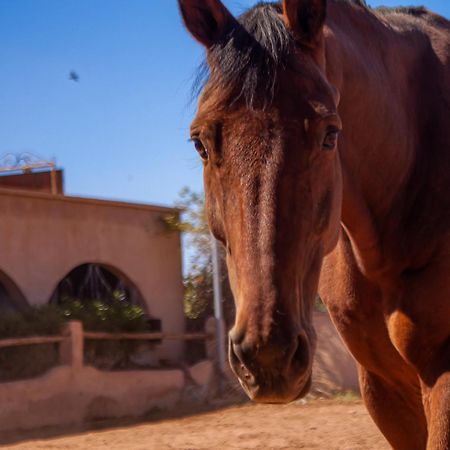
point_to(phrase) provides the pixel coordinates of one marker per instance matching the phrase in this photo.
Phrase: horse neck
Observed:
(368, 63)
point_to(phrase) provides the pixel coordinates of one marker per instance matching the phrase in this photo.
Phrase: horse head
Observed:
(266, 130)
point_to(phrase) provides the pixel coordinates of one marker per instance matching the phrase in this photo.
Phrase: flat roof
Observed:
(4, 191)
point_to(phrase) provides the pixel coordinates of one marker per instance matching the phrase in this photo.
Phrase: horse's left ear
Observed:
(305, 18)
(207, 20)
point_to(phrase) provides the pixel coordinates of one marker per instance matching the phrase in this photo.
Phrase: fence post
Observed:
(71, 348)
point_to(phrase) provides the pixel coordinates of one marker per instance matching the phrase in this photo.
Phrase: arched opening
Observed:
(97, 282)
(11, 297)
(23, 362)
(103, 292)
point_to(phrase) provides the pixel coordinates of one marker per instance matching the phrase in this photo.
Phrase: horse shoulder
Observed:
(419, 324)
(357, 310)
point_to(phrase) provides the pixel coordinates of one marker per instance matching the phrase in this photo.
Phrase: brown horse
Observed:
(325, 136)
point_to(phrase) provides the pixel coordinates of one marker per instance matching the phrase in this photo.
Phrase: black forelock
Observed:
(246, 63)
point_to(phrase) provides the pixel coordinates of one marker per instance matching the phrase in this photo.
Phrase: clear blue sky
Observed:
(121, 131)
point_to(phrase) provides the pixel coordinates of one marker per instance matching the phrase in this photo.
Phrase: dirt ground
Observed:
(318, 424)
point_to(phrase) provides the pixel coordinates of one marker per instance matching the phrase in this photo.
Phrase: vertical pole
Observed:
(218, 310)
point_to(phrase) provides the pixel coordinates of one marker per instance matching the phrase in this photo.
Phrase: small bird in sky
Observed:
(73, 76)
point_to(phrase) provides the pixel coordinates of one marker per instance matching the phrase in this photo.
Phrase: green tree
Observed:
(198, 298)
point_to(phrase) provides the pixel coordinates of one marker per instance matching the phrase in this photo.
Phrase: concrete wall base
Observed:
(65, 396)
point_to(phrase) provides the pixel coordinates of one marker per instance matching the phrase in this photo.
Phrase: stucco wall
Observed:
(71, 397)
(44, 237)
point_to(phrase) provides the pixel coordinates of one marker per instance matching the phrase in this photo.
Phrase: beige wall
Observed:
(44, 237)
(67, 397)
(74, 396)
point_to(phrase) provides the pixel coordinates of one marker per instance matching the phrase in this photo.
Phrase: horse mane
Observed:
(246, 63)
(416, 11)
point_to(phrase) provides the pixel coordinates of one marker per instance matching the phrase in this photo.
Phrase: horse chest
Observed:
(359, 314)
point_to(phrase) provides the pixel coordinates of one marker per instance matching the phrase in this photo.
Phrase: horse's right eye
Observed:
(330, 140)
(201, 149)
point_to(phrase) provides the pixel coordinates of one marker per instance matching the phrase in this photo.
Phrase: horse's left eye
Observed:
(330, 141)
(201, 149)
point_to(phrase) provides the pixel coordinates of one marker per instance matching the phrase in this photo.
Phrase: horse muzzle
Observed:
(273, 372)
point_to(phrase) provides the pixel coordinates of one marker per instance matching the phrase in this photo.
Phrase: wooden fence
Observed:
(71, 342)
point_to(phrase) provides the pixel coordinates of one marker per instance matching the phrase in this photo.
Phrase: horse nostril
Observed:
(244, 352)
(238, 361)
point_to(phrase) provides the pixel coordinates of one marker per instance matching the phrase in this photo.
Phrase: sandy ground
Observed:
(318, 424)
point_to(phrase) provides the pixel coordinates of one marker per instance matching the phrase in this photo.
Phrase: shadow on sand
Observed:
(153, 416)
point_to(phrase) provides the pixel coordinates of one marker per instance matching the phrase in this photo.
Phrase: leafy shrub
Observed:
(96, 315)
(108, 316)
(38, 321)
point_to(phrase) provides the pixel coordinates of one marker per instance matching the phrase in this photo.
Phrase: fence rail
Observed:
(147, 336)
(72, 340)
(30, 340)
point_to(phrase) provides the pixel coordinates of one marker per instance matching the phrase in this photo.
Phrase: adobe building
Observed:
(51, 244)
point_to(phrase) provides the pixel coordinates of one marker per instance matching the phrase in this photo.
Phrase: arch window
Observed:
(11, 297)
(90, 282)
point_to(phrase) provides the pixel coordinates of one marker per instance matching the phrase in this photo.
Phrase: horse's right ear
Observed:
(207, 20)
